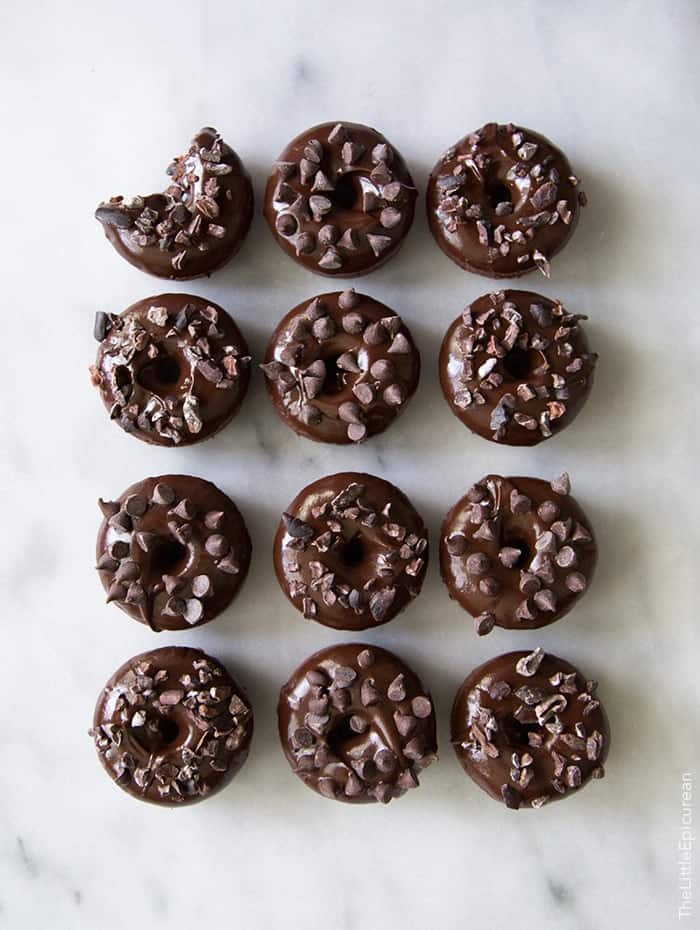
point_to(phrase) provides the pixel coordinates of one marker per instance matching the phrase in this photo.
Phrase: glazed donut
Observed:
(172, 726)
(340, 199)
(517, 552)
(172, 370)
(356, 724)
(351, 551)
(196, 225)
(172, 551)
(503, 201)
(529, 729)
(515, 367)
(341, 367)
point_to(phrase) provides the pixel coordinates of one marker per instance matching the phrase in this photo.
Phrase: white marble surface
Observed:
(96, 98)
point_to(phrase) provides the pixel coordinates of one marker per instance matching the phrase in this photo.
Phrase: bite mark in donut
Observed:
(529, 729)
(172, 727)
(503, 201)
(356, 724)
(351, 551)
(172, 551)
(341, 367)
(340, 199)
(515, 367)
(517, 552)
(172, 370)
(197, 224)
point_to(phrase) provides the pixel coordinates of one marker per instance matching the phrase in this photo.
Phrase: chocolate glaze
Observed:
(172, 370)
(356, 724)
(517, 552)
(172, 727)
(172, 551)
(340, 367)
(196, 225)
(340, 199)
(529, 729)
(351, 551)
(515, 367)
(503, 201)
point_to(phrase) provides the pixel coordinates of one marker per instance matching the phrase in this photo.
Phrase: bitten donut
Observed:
(172, 726)
(517, 552)
(515, 367)
(356, 724)
(529, 729)
(172, 370)
(341, 367)
(351, 551)
(503, 201)
(172, 551)
(340, 199)
(197, 224)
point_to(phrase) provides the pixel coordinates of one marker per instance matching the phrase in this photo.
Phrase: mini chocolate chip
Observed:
(478, 563)
(457, 544)
(519, 503)
(400, 345)
(380, 603)
(548, 511)
(397, 689)
(353, 323)
(545, 600)
(201, 586)
(357, 432)
(186, 509)
(509, 556)
(484, 623)
(136, 505)
(365, 658)
(528, 665)
(102, 326)
(214, 519)
(364, 393)
(374, 334)
(562, 484)
(296, 528)
(216, 545)
(576, 582)
(490, 586)
(422, 707)
(348, 299)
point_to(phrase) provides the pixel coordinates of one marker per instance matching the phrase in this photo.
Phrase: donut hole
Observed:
(168, 557)
(524, 550)
(334, 380)
(518, 363)
(159, 375)
(347, 192)
(353, 552)
(517, 733)
(340, 737)
(497, 192)
(168, 730)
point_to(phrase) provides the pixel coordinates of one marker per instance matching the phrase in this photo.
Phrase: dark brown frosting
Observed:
(517, 552)
(172, 726)
(515, 367)
(529, 729)
(356, 724)
(351, 551)
(340, 367)
(197, 224)
(340, 199)
(172, 551)
(172, 370)
(503, 201)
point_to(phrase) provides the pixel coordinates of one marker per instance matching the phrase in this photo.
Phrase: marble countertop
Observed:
(96, 98)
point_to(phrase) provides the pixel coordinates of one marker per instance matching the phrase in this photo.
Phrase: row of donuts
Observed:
(356, 724)
(340, 200)
(515, 367)
(351, 551)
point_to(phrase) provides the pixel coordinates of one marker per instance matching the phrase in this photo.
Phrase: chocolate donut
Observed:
(356, 724)
(172, 370)
(351, 551)
(503, 201)
(196, 225)
(172, 726)
(340, 199)
(529, 729)
(515, 367)
(341, 367)
(517, 552)
(172, 551)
